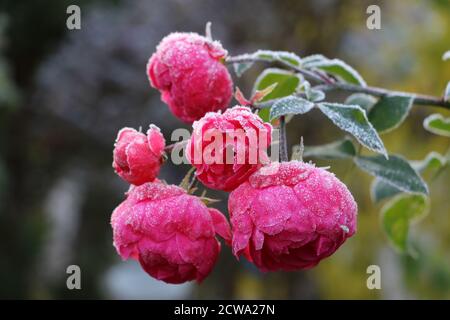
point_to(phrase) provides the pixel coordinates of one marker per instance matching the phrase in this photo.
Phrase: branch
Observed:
(419, 99)
(328, 84)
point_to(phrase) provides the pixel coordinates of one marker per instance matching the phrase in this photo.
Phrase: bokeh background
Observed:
(65, 94)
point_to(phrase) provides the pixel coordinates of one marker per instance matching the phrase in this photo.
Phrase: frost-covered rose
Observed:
(188, 71)
(171, 233)
(290, 216)
(137, 157)
(227, 148)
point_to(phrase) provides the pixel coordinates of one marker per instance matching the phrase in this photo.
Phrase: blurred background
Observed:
(64, 94)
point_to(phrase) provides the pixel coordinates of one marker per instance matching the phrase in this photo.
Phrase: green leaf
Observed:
(353, 119)
(264, 114)
(335, 67)
(266, 55)
(290, 105)
(311, 93)
(399, 214)
(287, 81)
(241, 67)
(395, 171)
(271, 56)
(433, 161)
(314, 58)
(289, 58)
(389, 112)
(363, 100)
(446, 56)
(437, 124)
(316, 95)
(381, 190)
(340, 149)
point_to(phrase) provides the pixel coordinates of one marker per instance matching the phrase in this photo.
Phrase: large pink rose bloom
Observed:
(137, 157)
(227, 148)
(188, 71)
(171, 233)
(290, 216)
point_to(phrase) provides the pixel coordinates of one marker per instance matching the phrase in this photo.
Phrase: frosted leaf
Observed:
(335, 67)
(265, 55)
(389, 112)
(311, 93)
(446, 56)
(437, 124)
(241, 67)
(290, 105)
(433, 160)
(287, 57)
(353, 119)
(398, 215)
(314, 58)
(381, 190)
(316, 95)
(363, 100)
(395, 171)
(340, 149)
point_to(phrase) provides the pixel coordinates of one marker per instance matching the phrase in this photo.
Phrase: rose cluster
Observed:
(284, 216)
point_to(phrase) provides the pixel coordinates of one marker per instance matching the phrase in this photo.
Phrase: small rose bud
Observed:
(137, 157)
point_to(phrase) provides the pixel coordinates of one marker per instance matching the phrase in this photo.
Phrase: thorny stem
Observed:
(283, 140)
(327, 83)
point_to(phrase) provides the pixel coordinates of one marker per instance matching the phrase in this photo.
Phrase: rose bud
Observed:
(189, 72)
(290, 216)
(170, 233)
(227, 148)
(137, 157)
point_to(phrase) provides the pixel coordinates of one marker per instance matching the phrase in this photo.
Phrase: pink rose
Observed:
(137, 157)
(171, 233)
(188, 71)
(227, 148)
(290, 216)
